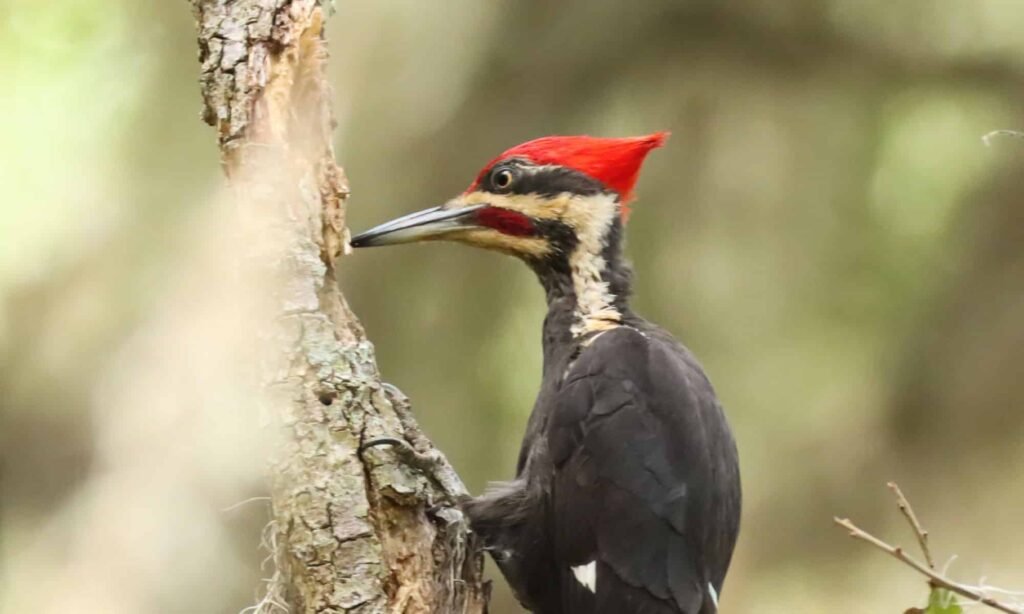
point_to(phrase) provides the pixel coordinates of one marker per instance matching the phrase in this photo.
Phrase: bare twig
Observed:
(244, 502)
(934, 578)
(908, 513)
(990, 136)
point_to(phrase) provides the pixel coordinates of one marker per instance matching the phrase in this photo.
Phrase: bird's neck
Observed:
(587, 288)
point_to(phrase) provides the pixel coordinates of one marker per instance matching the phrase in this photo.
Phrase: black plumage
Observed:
(627, 462)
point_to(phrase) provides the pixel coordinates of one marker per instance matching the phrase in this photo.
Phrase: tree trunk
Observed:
(356, 527)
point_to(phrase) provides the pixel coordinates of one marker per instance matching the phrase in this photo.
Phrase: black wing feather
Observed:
(629, 449)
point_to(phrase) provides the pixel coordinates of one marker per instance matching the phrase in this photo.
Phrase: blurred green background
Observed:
(825, 229)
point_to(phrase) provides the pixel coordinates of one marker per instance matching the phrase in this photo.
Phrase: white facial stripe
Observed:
(530, 204)
(586, 575)
(591, 217)
(493, 239)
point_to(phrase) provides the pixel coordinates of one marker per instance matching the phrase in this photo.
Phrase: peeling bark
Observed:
(356, 527)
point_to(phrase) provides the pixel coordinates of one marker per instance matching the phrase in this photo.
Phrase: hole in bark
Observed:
(327, 396)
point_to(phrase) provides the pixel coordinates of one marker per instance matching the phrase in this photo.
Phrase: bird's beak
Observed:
(427, 224)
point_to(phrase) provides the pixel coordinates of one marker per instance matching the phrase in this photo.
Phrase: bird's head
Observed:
(544, 198)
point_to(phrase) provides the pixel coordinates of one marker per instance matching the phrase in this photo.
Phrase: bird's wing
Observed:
(626, 441)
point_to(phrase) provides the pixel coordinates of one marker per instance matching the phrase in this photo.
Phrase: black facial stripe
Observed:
(546, 181)
(555, 271)
(553, 268)
(559, 234)
(555, 180)
(619, 273)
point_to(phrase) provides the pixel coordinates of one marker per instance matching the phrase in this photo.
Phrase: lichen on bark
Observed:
(355, 528)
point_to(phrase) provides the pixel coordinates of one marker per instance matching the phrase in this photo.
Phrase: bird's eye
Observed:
(503, 179)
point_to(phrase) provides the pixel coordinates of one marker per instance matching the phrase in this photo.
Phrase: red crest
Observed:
(614, 162)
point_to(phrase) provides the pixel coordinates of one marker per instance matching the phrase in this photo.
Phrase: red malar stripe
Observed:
(506, 221)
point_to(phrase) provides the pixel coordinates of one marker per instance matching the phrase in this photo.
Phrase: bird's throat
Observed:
(596, 307)
(587, 290)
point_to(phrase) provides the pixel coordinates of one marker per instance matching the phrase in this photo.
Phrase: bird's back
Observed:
(640, 479)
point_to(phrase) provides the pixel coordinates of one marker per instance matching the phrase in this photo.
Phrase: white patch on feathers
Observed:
(586, 575)
(714, 595)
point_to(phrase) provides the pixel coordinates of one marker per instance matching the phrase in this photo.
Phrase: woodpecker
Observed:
(626, 497)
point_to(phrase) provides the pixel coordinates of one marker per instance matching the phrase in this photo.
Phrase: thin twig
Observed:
(988, 137)
(235, 506)
(908, 513)
(935, 578)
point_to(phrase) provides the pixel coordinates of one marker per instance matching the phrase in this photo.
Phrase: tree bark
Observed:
(356, 527)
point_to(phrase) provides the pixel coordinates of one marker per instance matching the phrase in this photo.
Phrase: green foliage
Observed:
(940, 601)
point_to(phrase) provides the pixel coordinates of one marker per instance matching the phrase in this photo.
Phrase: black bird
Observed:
(627, 490)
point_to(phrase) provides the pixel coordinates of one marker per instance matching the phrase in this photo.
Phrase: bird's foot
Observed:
(427, 462)
(416, 451)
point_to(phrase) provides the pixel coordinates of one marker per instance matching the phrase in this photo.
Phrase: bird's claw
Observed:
(395, 394)
(424, 461)
(416, 450)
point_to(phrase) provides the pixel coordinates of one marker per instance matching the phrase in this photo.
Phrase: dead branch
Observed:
(908, 513)
(988, 137)
(935, 579)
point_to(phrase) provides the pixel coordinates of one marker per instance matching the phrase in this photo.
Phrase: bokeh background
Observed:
(825, 229)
